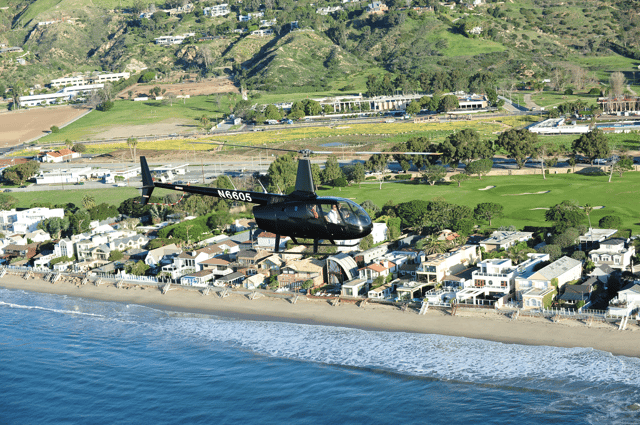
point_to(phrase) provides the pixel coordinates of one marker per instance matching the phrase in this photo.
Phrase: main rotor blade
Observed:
(397, 153)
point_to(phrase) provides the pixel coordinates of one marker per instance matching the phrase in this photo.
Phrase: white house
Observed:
(373, 271)
(185, 263)
(217, 10)
(532, 289)
(26, 221)
(381, 292)
(627, 300)
(355, 287)
(167, 40)
(267, 240)
(436, 266)
(613, 253)
(162, 255)
(60, 156)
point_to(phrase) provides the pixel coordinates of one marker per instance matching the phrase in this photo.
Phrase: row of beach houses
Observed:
(382, 273)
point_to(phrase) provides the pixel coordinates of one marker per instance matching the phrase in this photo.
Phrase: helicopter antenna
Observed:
(231, 181)
(263, 188)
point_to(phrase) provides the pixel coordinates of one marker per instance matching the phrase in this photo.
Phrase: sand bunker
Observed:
(527, 193)
(487, 188)
(541, 208)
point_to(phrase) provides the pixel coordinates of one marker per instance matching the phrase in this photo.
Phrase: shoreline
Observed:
(468, 323)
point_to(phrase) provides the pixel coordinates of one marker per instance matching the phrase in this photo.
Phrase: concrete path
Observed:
(530, 103)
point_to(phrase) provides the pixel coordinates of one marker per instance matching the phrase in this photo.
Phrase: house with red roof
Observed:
(381, 268)
(59, 156)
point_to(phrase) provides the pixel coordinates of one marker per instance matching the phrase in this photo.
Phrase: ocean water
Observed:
(66, 360)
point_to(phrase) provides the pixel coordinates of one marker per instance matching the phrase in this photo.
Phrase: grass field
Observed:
(112, 196)
(618, 197)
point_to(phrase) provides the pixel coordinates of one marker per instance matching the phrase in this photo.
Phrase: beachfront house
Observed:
(574, 294)
(626, 302)
(366, 257)
(532, 288)
(381, 292)
(383, 268)
(355, 288)
(295, 273)
(602, 272)
(186, 263)
(161, 256)
(200, 278)
(434, 267)
(614, 253)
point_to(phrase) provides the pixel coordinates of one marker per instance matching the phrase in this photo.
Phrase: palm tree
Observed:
(587, 210)
(16, 92)
(88, 201)
(132, 142)
(432, 245)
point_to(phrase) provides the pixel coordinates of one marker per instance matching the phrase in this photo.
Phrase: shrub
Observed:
(610, 222)
(79, 147)
(568, 92)
(595, 91)
(55, 129)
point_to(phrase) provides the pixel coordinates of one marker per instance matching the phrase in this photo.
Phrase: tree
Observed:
(132, 142)
(79, 147)
(459, 178)
(19, 173)
(434, 173)
(55, 129)
(366, 242)
(480, 167)
(7, 201)
(316, 173)
(413, 213)
(16, 92)
(565, 214)
(88, 201)
(464, 145)
(610, 222)
(116, 255)
(68, 144)
(519, 144)
(449, 103)
(616, 80)
(553, 250)
(55, 226)
(625, 163)
(139, 268)
(358, 173)
(272, 112)
(413, 108)
(488, 211)
(282, 173)
(332, 170)
(592, 145)
(518, 253)
(307, 284)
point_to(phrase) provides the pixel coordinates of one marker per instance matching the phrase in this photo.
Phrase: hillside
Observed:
(576, 43)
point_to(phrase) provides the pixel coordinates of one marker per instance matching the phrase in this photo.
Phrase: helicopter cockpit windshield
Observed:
(353, 214)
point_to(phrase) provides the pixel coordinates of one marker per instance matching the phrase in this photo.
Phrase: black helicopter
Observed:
(301, 214)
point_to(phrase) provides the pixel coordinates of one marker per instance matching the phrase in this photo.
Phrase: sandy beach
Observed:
(471, 323)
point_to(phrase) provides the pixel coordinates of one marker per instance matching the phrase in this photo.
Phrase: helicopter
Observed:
(301, 214)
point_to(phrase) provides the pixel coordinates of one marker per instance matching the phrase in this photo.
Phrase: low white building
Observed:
(83, 80)
(27, 220)
(504, 239)
(381, 292)
(59, 155)
(250, 16)
(379, 233)
(73, 175)
(167, 40)
(558, 126)
(66, 94)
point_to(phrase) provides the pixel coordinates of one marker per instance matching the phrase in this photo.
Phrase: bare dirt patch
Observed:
(191, 88)
(161, 128)
(25, 124)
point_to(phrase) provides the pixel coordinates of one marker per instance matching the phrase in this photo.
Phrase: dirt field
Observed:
(23, 125)
(188, 87)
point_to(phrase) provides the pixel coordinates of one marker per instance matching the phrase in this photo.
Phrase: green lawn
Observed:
(461, 46)
(618, 197)
(113, 196)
